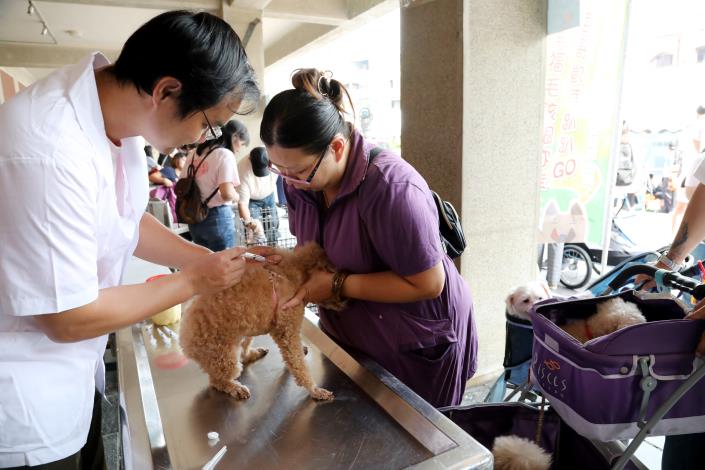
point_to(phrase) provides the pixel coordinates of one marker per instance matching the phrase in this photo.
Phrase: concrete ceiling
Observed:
(76, 27)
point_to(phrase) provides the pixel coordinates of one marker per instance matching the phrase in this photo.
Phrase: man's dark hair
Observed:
(200, 50)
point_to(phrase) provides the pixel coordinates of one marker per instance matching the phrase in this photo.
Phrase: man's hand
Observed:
(214, 272)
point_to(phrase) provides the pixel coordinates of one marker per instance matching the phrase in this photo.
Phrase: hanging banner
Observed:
(582, 87)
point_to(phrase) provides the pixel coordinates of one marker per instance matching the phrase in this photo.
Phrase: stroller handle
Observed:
(671, 279)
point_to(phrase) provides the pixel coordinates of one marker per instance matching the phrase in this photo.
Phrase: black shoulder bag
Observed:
(451, 230)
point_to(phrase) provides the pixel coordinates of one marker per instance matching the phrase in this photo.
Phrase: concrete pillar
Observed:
(472, 105)
(240, 20)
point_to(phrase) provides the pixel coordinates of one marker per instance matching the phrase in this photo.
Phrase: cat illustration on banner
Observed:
(563, 227)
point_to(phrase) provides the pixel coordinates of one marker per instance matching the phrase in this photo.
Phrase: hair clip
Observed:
(328, 75)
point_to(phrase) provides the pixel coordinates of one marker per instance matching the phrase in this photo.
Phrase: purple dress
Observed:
(384, 219)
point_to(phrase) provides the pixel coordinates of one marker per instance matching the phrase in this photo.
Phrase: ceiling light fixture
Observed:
(45, 30)
(30, 8)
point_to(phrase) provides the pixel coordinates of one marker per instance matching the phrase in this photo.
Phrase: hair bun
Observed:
(321, 85)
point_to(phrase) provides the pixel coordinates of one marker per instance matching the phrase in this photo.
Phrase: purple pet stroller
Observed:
(642, 379)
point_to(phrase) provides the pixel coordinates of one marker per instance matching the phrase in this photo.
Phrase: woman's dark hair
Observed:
(235, 128)
(208, 145)
(200, 50)
(308, 116)
(175, 158)
(148, 150)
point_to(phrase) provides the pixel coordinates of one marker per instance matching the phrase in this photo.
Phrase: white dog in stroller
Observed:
(612, 315)
(520, 299)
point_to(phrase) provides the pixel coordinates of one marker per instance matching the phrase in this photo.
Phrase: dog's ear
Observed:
(510, 301)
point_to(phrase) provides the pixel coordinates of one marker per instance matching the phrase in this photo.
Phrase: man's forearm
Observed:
(115, 308)
(692, 228)
(161, 246)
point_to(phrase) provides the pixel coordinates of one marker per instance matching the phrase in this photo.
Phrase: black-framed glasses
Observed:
(309, 178)
(212, 132)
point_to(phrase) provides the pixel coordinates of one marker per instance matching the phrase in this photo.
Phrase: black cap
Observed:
(260, 161)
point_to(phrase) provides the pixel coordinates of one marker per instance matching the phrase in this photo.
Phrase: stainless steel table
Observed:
(374, 422)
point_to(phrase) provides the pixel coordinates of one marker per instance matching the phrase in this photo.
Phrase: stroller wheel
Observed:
(576, 269)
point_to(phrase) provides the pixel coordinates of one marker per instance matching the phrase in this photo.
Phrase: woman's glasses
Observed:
(309, 178)
(212, 132)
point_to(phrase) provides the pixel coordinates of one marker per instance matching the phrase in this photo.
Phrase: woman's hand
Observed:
(266, 251)
(645, 282)
(698, 313)
(317, 289)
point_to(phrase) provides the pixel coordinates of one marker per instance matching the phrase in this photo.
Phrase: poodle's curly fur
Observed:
(611, 315)
(217, 329)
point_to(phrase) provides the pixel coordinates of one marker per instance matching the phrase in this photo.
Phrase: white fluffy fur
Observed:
(522, 298)
(611, 315)
(517, 453)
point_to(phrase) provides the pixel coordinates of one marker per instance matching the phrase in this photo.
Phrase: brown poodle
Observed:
(217, 329)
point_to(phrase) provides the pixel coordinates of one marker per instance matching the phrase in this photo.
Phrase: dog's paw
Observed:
(240, 392)
(321, 394)
(254, 354)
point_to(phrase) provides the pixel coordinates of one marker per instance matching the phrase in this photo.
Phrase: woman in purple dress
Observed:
(408, 307)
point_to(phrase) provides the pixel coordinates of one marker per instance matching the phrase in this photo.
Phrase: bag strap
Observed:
(373, 153)
(191, 173)
(207, 200)
(194, 172)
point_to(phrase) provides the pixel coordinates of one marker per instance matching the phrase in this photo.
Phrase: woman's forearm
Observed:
(692, 228)
(244, 209)
(392, 288)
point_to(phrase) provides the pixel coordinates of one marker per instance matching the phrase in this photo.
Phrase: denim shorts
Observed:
(217, 231)
(266, 211)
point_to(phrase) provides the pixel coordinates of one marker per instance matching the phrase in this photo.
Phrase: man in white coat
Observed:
(72, 173)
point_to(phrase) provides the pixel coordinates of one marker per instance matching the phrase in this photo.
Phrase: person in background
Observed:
(256, 190)
(685, 451)
(686, 181)
(176, 165)
(154, 173)
(217, 178)
(239, 136)
(409, 308)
